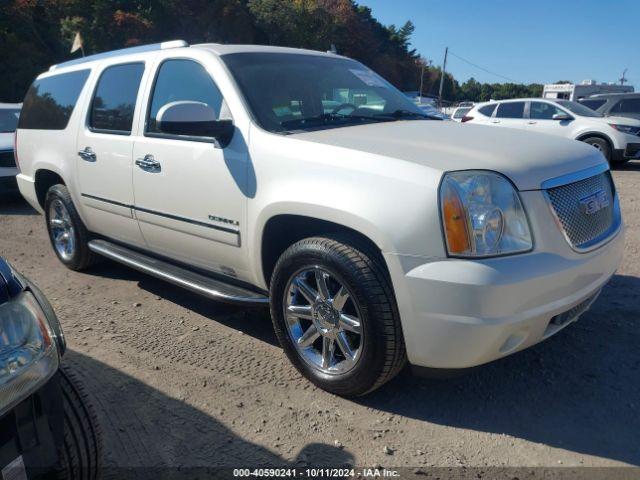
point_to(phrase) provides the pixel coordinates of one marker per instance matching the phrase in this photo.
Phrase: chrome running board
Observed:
(196, 282)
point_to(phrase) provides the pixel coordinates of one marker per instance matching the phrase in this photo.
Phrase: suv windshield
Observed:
(9, 120)
(295, 92)
(575, 107)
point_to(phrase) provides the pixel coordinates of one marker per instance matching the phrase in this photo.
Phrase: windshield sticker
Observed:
(368, 77)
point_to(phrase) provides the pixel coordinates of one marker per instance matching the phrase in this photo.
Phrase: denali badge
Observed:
(594, 202)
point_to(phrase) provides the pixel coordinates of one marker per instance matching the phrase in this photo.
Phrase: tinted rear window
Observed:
(487, 110)
(50, 101)
(628, 105)
(593, 104)
(115, 98)
(511, 110)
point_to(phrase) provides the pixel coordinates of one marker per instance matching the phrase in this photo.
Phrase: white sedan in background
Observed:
(9, 113)
(618, 138)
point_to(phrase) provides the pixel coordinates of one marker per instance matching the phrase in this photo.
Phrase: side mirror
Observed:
(562, 116)
(194, 119)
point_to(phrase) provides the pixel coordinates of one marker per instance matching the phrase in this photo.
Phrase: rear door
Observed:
(511, 115)
(105, 147)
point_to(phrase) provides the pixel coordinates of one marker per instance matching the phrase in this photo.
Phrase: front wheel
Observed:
(81, 450)
(600, 144)
(335, 315)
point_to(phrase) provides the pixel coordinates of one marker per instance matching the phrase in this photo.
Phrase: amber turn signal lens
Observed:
(455, 222)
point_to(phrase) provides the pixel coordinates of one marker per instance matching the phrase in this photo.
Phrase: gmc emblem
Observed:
(594, 202)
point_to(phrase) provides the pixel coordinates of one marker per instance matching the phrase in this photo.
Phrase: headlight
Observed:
(482, 215)
(626, 129)
(28, 353)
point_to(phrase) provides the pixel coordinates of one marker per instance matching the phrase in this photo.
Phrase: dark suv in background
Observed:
(47, 427)
(615, 104)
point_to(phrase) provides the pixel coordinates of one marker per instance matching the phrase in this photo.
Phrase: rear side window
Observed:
(628, 105)
(510, 110)
(50, 101)
(115, 98)
(593, 104)
(179, 80)
(543, 111)
(487, 110)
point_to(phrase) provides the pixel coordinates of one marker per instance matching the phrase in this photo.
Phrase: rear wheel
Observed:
(335, 315)
(600, 144)
(69, 237)
(81, 451)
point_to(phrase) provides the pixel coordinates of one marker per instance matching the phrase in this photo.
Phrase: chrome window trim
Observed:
(574, 176)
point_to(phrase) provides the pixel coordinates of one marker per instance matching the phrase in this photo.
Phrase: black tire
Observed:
(81, 452)
(82, 257)
(363, 272)
(601, 144)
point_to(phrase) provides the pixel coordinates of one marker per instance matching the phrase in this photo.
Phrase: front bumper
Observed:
(32, 430)
(462, 313)
(630, 152)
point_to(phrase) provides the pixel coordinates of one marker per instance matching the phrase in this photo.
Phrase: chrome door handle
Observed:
(531, 123)
(149, 164)
(87, 155)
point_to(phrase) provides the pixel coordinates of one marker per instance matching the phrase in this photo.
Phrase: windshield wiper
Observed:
(330, 118)
(404, 114)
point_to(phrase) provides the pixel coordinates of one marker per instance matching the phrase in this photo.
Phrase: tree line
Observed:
(35, 34)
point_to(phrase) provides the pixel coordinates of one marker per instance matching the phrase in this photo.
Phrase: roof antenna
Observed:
(623, 80)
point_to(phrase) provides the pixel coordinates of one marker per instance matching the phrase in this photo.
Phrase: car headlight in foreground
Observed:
(28, 351)
(626, 129)
(482, 215)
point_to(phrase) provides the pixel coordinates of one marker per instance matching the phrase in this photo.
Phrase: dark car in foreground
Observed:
(48, 428)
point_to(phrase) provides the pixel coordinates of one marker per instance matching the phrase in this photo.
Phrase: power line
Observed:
(482, 68)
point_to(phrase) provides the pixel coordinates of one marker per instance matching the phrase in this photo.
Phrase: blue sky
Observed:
(528, 41)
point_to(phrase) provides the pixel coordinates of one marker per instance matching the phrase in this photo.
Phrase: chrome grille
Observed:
(6, 159)
(582, 226)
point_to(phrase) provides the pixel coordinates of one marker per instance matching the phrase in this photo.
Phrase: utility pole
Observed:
(623, 79)
(423, 62)
(444, 68)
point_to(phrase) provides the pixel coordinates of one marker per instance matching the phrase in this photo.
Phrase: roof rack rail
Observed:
(122, 51)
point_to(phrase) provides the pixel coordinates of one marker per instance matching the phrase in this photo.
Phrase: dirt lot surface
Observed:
(181, 381)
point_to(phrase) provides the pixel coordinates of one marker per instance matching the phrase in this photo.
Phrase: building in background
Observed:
(575, 92)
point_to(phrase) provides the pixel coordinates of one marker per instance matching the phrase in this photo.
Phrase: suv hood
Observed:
(528, 159)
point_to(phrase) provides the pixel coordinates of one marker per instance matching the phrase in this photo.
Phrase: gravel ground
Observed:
(180, 381)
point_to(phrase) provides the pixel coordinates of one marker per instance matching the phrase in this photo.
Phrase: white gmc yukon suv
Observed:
(304, 180)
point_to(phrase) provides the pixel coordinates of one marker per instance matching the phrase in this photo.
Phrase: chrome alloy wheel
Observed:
(597, 146)
(62, 231)
(323, 320)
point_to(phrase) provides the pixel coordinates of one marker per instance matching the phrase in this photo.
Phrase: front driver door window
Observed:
(541, 119)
